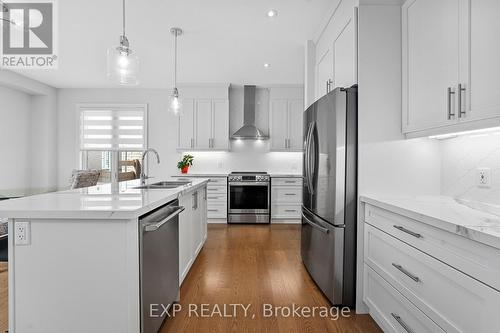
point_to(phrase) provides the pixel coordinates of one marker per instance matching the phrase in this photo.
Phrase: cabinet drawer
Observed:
(216, 198)
(218, 181)
(437, 289)
(286, 194)
(478, 260)
(286, 211)
(286, 182)
(211, 189)
(216, 211)
(391, 310)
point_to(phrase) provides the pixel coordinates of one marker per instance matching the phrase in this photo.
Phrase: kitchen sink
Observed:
(164, 185)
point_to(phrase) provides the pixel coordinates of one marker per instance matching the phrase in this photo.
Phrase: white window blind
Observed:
(113, 128)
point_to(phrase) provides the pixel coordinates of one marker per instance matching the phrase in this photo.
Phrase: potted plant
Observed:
(185, 163)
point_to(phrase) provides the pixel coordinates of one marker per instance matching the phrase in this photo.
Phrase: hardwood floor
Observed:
(256, 265)
(252, 265)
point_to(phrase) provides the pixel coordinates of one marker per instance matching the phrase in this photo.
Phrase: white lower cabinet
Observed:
(392, 311)
(192, 229)
(286, 198)
(404, 264)
(216, 196)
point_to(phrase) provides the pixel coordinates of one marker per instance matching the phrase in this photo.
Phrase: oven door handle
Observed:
(248, 184)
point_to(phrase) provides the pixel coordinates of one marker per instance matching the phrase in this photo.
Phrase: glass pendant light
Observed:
(175, 103)
(122, 62)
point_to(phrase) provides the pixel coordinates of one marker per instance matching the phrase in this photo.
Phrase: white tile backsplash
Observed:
(247, 156)
(461, 158)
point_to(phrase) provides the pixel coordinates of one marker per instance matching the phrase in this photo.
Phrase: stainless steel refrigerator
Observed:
(328, 236)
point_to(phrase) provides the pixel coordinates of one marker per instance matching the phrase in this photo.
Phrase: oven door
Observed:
(249, 198)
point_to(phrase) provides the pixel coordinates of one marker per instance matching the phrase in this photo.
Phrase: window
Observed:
(112, 138)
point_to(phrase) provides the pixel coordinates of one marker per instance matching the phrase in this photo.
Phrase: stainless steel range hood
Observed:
(249, 131)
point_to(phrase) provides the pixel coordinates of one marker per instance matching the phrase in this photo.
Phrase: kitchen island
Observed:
(74, 256)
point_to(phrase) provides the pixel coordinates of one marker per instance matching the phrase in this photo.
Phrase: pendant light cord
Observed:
(175, 60)
(123, 13)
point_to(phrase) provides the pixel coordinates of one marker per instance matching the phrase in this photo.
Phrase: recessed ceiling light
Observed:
(272, 13)
(267, 65)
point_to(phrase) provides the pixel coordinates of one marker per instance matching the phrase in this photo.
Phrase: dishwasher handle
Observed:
(156, 226)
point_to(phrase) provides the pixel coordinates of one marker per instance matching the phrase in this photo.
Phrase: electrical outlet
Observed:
(219, 164)
(22, 233)
(483, 177)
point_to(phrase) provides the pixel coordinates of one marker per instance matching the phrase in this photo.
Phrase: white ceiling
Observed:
(224, 40)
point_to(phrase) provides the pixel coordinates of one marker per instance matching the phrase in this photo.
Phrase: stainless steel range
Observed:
(249, 197)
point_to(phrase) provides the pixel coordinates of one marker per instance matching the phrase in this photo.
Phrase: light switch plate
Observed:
(483, 177)
(22, 233)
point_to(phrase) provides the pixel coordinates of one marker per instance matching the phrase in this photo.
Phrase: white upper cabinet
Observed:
(336, 51)
(344, 57)
(295, 123)
(324, 74)
(220, 124)
(204, 124)
(278, 120)
(286, 118)
(482, 96)
(185, 135)
(450, 63)
(431, 61)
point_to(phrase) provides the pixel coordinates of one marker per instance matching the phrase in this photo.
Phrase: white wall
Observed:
(28, 132)
(15, 138)
(388, 164)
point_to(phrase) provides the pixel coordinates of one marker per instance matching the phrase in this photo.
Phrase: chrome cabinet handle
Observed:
(290, 210)
(461, 89)
(402, 323)
(192, 143)
(405, 272)
(290, 193)
(314, 225)
(156, 226)
(212, 210)
(409, 232)
(195, 200)
(450, 113)
(329, 83)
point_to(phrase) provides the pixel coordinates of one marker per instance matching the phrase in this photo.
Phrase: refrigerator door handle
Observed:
(314, 225)
(307, 158)
(312, 157)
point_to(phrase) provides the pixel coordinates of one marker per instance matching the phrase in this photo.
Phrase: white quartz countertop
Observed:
(445, 213)
(121, 201)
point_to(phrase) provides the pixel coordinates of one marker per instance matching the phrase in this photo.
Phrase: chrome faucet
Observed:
(143, 173)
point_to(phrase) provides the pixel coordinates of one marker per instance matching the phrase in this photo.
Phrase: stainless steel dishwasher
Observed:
(159, 263)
